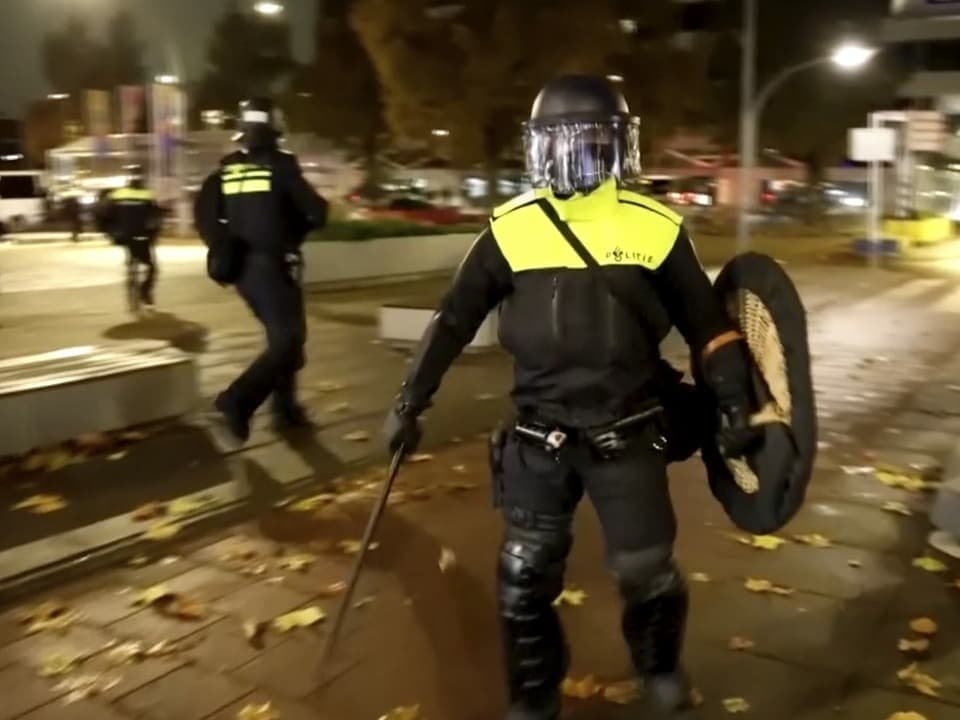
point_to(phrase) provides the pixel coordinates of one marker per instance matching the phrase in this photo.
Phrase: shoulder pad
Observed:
(632, 198)
(517, 202)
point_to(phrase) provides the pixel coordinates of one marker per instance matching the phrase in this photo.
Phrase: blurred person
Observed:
(73, 214)
(131, 217)
(589, 386)
(254, 213)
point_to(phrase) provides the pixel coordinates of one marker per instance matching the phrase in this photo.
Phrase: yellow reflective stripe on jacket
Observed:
(619, 232)
(131, 195)
(243, 178)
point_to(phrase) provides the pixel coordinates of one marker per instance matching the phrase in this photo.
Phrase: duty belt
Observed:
(608, 440)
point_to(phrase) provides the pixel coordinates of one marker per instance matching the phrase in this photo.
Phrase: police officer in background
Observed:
(132, 218)
(588, 385)
(267, 208)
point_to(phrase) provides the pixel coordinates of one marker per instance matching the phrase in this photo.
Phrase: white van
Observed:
(21, 199)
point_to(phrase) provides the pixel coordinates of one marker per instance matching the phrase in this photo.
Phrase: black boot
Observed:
(293, 418)
(654, 630)
(236, 422)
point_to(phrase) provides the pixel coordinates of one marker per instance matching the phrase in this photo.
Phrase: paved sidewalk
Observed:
(885, 369)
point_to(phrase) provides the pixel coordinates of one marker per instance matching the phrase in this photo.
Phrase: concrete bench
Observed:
(406, 324)
(49, 398)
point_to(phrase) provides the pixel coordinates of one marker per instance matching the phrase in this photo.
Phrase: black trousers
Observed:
(539, 492)
(275, 297)
(141, 251)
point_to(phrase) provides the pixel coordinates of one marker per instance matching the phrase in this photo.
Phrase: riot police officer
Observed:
(267, 207)
(132, 218)
(589, 277)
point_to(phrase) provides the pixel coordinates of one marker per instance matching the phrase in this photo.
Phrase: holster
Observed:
(495, 447)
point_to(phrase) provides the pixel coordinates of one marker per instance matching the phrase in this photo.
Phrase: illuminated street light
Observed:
(615, 78)
(270, 8)
(166, 79)
(440, 132)
(852, 56)
(58, 96)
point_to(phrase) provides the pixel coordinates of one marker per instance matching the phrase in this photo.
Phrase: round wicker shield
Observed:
(764, 490)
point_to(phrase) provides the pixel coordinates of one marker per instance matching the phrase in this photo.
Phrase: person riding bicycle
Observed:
(132, 219)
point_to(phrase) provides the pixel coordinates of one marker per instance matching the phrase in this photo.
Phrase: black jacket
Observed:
(130, 213)
(581, 358)
(264, 199)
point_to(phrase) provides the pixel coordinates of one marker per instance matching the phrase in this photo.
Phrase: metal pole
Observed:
(876, 201)
(748, 149)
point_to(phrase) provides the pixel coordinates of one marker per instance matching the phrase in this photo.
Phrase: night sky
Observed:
(174, 32)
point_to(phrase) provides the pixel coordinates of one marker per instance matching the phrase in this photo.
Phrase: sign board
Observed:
(926, 131)
(873, 144)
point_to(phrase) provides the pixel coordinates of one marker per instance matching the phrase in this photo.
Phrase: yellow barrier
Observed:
(919, 232)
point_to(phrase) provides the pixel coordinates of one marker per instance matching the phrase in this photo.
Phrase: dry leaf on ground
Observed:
(762, 542)
(41, 504)
(814, 540)
(460, 469)
(329, 386)
(740, 643)
(765, 586)
(357, 436)
(299, 619)
(924, 626)
(919, 681)
(153, 595)
(700, 577)
(161, 531)
(363, 602)
(253, 631)
(857, 469)
(255, 570)
(622, 693)
(907, 716)
(448, 559)
(113, 457)
(333, 589)
(259, 712)
(735, 705)
(57, 665)
(918, 646)
(189, 505)
(314, 502)
(582, 689)
(298, 563)
(910, 483)
(930, 564)
(81, 687)
(409, 712)
(855, 563)
(570, 596)
(419, 458)
(184, 608)
(149, 511)
(352, 547)
(50, 615)
(897, 507)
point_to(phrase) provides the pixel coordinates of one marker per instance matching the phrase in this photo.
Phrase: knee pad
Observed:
(531, 567)
(648, 573)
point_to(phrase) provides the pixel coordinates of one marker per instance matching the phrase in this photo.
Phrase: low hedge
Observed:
(348, 230)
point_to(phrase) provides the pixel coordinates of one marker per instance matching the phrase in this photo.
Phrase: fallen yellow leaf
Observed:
(765, 542)
(448, 560)
(622, 693)
(460, 469)
(582, 689)
(190, 504)
(740, 643)
(919, 681)
(357, 436)
(149, 511)
(765, 586)
(258, 712)
(41, 504)
(814, 540)
(299, 619)
(897, 507)
(907, 716)
(298, 563)
(420, 458)
(336, 588)
(363, 602)
(700, 577)
(924, 626)
(255, 570)
(314, 502)
(918, 646)
(735, 705)
(411, 712)
(57, 665)
(153, 595)
(352, 547)
(161, 531)
(570, 596)
(930, 564)
(910, 483)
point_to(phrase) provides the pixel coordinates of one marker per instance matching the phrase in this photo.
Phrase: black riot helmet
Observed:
(261, 123)
(580, 134)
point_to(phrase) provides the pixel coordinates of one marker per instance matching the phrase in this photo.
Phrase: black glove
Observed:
(727, 372)
(402, 428)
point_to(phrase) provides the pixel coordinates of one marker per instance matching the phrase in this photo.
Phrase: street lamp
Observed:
(440, 132)
(848, 56)
(270, 8)
(58, 96)
(166, 79)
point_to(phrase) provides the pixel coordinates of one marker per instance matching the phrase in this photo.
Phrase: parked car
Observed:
(22, 200)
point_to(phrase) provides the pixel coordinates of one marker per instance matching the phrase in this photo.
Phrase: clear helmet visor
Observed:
(580, 156)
